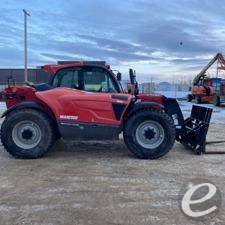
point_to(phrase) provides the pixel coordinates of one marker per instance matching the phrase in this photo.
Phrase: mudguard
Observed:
(143, 105)
(22, 105)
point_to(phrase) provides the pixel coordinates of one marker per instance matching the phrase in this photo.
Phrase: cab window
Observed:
(98, 80)
(86, 78)
(66, 78)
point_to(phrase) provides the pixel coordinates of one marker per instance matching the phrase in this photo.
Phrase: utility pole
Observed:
(25, 45)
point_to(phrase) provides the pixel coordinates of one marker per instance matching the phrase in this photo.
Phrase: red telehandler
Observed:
(84, 101)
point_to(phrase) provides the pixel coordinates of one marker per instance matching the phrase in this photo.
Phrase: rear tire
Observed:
(149, 134)
(27, 134)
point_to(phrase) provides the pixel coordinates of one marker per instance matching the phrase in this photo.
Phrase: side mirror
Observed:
(119, 76)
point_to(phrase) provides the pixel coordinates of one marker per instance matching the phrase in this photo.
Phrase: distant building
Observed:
(164, 86)
(34, 75)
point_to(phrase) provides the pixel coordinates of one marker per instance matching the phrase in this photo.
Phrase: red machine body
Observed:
(86, 106)
(84, 102)
(82, 106)
(77, 105)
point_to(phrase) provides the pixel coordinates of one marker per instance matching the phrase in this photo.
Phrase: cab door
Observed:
(101, 102)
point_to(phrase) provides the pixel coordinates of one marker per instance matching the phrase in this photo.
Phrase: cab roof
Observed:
(54, 68)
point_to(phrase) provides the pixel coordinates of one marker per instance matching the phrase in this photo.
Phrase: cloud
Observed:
(123, 33)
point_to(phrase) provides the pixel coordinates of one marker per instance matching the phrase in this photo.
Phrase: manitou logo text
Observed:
(67, 117)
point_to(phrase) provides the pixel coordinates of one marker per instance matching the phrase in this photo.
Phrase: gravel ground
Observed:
(102, 183)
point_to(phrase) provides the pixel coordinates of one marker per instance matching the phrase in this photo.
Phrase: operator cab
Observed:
(91, 78)
(87, 78)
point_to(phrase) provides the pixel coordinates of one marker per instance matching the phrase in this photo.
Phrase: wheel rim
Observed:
(150, 134)
(26, 134)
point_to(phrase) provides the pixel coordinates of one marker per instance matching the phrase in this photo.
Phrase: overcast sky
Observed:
(161, 39)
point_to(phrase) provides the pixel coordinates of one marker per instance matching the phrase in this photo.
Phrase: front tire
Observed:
(27, 134)
(149, 134)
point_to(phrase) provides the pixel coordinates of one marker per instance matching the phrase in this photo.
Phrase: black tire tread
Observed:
(17, 113)
(166, 118)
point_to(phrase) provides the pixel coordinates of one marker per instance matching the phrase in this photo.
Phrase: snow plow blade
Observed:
(194, 129)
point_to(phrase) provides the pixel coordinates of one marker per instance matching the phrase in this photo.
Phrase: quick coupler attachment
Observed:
(193, 132)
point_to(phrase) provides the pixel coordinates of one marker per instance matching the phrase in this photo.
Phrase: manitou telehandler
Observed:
(84, 101)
